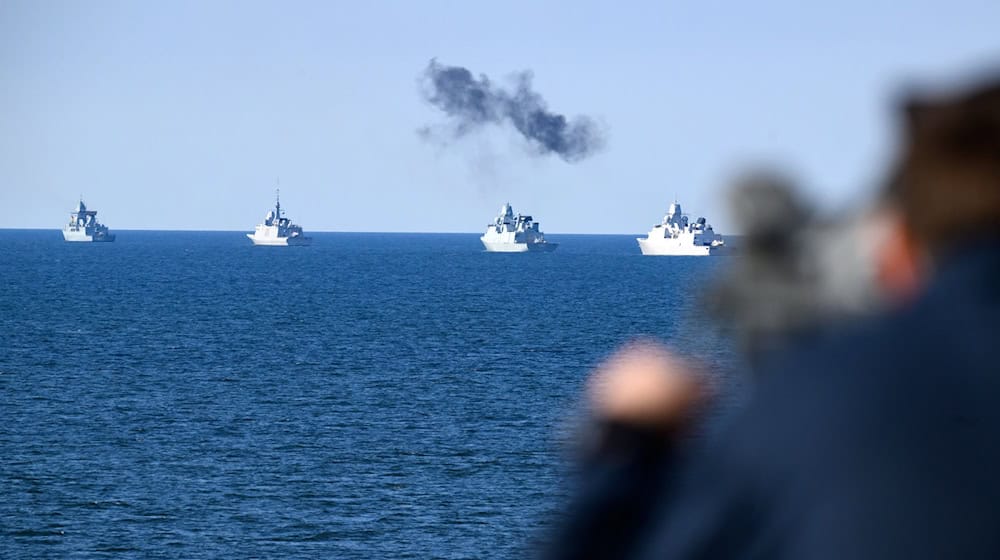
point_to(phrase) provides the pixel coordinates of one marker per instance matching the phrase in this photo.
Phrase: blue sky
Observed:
(181, 115)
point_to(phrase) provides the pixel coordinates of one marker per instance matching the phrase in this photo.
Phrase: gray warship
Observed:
(84, 227)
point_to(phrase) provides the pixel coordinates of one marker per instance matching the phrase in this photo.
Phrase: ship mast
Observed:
(277, 203)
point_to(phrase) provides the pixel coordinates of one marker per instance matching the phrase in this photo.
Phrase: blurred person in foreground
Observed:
(878, 440)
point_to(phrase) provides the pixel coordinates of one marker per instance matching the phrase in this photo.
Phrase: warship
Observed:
(278, 230)
(84, 227)
(676, 236)
(514, 234)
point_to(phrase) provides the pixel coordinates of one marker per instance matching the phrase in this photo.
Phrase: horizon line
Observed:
(316, 231)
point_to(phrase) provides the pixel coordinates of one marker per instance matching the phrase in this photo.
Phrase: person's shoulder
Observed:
(838, 380)
(881, 344)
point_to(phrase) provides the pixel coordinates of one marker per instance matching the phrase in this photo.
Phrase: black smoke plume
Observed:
(472, 102)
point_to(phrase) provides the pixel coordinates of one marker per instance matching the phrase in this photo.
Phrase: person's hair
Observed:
(946, 183)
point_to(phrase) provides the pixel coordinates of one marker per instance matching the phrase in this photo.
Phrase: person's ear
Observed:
(901, 261)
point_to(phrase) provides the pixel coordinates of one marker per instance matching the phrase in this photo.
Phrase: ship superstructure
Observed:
(676, 235)
(277, 229)
(511, 233)
(84, 227)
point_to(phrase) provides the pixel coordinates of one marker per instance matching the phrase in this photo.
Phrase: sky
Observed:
(186, 115)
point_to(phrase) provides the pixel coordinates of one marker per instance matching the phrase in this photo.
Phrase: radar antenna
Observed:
(277, 199)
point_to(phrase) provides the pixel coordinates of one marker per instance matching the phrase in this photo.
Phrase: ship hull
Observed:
(279, 241)
(501, 247)
(673, 248)
(83, 237)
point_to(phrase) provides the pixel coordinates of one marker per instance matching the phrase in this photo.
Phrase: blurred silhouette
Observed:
(873, 429)
(801, 272)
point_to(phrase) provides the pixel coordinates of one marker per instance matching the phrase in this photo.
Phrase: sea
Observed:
(189, 395)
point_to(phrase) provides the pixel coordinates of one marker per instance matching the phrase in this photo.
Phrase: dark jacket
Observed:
(883, 442)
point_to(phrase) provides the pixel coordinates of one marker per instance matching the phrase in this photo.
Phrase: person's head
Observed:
(945, 185)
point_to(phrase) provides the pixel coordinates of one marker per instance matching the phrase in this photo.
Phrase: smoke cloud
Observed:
(472, 103)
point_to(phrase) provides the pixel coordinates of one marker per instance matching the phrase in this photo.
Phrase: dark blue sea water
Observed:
(187, 395)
